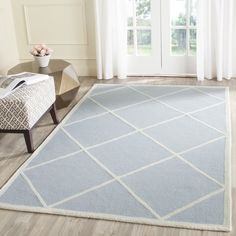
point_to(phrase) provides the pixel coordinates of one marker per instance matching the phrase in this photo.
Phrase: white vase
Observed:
(42, 61)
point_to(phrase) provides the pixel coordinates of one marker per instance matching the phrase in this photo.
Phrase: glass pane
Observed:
(178, 12)
(193, 12)
(130, 42)
(143, 12)
(130, 12)
(178, 42)
(193, 42)
(144, 42)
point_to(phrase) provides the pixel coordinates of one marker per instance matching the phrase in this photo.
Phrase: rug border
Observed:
(226, 227)
(228, 163)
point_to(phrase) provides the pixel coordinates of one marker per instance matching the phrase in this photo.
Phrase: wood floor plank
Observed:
(13, 155)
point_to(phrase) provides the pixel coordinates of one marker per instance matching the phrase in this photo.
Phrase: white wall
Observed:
(67, 26)
(8, 48)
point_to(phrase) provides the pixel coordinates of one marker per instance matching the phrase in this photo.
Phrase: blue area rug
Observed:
(147, 154)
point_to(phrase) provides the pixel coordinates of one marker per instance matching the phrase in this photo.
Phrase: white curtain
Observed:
(111, 38)
(215, 39)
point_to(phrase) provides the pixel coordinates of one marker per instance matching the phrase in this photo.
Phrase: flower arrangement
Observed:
(41, 54)
(41, 50)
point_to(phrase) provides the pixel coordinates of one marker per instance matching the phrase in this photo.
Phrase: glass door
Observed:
(179, 36)
(144, 37)
(161, 37)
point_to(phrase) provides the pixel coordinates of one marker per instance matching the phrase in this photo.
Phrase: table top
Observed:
(55, 65)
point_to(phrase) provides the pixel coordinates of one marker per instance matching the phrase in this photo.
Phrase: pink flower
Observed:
(49, 51)
(40, 50)
(34, 52)
(43, 52)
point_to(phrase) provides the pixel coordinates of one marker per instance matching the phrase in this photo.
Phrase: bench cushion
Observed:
(23, 108)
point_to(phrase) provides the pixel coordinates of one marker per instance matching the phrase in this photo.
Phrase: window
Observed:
(183, 27)
(139, 28)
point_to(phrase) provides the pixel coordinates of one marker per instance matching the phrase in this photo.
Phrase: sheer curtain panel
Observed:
(111, 38)
(215, 39)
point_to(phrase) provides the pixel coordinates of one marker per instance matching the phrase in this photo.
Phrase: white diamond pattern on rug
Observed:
(119, 98)
(20, 193)
(129, 153)
(212, 155)
(94, 131)
(145, 154)
(216, 92)
(204, 212)
(110, 199)
(63, 178)
(159, 91)
(189, 100)
(214, 116)
(182, 134)
(60, 145)
(87, 109)
(168, 197)
(100, 89)
(148, 113)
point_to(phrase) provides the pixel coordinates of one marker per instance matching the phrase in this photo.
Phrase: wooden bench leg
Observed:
(54, 114)
(29, 140)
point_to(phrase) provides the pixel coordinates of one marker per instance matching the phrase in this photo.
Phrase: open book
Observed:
(10, 83)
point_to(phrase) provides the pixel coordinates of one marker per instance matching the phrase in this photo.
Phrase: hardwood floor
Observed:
(13, 155)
